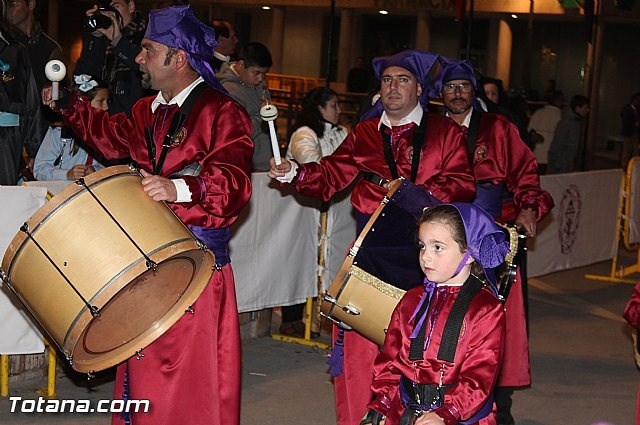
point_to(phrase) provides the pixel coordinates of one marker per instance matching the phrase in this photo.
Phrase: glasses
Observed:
(452, 88)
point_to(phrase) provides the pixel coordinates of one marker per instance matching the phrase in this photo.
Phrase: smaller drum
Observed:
(381, 265)
(105, 269)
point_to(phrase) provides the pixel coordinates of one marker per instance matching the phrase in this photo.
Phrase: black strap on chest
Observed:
(176, 124)
(472, 133)
(451, 333)
(417, 143)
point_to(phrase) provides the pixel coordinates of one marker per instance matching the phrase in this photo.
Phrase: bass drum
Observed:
(106, 270)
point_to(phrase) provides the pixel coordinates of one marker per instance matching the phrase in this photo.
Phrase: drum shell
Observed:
(88, 247)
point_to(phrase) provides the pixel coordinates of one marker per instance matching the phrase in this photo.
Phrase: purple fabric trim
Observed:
(336, 358)
(429, 286)
(217, 240)
(482, 413)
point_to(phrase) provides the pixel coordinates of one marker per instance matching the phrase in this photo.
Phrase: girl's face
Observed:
(101, 99)
(440, 254)
(331, 111)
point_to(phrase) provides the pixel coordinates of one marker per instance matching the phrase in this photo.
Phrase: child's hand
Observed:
(77, 172)
(429, 418)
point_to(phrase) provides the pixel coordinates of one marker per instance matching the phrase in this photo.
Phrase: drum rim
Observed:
(73, 337)
(45, 212)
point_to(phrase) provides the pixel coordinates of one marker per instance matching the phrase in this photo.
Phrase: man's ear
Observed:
(419, 89)
(132, 6)
(181, 58)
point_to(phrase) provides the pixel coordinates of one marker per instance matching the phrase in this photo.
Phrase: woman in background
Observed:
(317, 134)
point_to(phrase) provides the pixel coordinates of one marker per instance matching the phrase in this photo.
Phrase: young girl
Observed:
(61, 156)
(443, 348)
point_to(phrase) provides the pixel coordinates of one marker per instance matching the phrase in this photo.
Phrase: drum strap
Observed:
(472, 133)
(176, 125)
(451, 333)
(417, 143)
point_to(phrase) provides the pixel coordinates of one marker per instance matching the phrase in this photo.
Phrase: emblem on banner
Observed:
(570, 211)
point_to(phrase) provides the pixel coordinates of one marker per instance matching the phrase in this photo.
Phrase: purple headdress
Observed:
(177, 26)
(486, 244)
(421, 63)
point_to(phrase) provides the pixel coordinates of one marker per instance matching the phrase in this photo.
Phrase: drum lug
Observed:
(338, 323)
(190, 310)
(217, 267)
(69, 358)
(152, 265)
(201, 245)
(95, 311)
(139, 354)
(349, 309)
(90, 375)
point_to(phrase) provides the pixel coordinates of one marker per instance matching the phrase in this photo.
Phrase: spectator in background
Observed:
(24, 16)
(542, 126)
(109, 54)
(20, 118)
(630, 124)
(317, 134)
(359, 77)
(227, 43)
(568, 136)
(62, 155)
(493, 99)
(244, 80)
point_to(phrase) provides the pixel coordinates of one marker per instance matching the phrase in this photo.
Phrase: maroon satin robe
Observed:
(632, 316)
(501, 156)
(444, 171)
(191, 374)
(476, 362)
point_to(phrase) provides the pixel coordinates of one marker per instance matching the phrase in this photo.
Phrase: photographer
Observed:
(110, 48)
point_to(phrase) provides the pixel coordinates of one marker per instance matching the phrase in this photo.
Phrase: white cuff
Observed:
(288, 178)
(184, 194)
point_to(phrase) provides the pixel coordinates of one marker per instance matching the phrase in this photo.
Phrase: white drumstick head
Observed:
(55, 70)
(269, 112)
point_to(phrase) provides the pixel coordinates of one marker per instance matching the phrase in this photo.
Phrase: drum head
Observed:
(141, 311)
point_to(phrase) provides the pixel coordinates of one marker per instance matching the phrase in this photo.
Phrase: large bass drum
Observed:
(104, 269)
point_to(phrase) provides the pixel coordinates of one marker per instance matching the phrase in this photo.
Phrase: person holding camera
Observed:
(109, 51)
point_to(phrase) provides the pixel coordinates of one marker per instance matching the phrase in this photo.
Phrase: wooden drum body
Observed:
(109, 246)
(381, 265)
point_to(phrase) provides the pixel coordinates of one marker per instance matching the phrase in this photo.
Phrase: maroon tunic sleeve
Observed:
(507, 159)
(444, 166)
(217, 136)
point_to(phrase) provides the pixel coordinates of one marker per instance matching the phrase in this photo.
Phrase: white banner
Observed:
(581, 228)
(18, 335)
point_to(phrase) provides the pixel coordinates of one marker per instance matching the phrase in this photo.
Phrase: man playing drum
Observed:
(192, 143)
(501, 163)
(405, 141)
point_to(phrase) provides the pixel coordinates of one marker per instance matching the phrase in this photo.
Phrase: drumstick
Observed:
(55, 71)
(269, 113)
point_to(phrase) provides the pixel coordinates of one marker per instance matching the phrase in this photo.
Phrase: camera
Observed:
(98, 20)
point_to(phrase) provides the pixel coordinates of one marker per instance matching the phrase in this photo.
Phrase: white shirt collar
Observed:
(177, 99)
(223, 58)
(414, 116)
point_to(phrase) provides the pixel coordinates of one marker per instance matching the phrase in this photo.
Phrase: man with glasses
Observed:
(503, 166)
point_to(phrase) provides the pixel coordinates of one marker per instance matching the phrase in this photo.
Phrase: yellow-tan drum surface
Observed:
(103, 251)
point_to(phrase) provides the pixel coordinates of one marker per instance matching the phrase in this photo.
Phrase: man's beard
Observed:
(146, 81)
